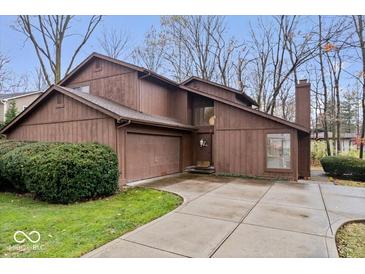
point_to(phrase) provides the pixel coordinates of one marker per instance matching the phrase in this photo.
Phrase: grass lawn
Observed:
(73, 230)
(350, 240)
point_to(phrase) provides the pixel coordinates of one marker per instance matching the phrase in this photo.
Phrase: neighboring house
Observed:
(158, 127)
(347, 140)
(22, 100)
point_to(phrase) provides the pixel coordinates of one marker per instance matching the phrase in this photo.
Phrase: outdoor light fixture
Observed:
(203, 143)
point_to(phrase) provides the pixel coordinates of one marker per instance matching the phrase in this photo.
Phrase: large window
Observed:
(203, 115)
(278, 151)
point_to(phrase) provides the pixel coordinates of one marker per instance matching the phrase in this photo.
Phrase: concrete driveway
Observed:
(244, 218)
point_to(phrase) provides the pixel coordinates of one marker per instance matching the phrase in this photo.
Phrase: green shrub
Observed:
(64, 173)
(344, 167)
(17, 162)
(5, 147)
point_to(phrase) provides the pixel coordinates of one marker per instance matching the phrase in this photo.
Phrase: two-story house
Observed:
(158, 127)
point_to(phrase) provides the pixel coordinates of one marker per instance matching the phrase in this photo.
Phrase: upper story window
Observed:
(204, 116)
(278, 151)
(85, 89)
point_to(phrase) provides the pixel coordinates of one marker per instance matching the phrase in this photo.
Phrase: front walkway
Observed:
(244, 218)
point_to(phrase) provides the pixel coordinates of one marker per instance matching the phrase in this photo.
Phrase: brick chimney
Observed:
(302, 103)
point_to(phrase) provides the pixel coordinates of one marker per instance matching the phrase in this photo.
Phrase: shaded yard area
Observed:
(350, 240)
(72, 230)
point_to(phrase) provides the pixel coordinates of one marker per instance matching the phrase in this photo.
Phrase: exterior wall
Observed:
(239, 143)
(216, 91)
(109, 80)
(123, 150)
(74, 123)
(122, 85)
(157, 99)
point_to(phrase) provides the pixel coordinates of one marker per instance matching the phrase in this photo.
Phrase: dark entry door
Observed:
(203, 148)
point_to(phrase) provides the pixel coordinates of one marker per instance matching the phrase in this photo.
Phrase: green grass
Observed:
(73, 230)
(350, 240)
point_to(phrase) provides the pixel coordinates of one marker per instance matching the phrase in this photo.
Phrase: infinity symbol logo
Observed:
(28, 237)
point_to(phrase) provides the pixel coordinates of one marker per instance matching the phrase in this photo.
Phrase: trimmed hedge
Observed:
(344, 167)
(5, 147)
(63, 173)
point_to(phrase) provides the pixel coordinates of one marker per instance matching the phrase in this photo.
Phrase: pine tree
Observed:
(11, 112)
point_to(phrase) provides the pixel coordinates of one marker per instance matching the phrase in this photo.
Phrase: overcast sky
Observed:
(23, 58)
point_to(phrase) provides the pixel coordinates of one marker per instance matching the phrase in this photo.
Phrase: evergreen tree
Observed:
(349, 111)
(11, 112)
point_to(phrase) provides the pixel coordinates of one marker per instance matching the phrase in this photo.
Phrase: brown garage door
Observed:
(150, 156)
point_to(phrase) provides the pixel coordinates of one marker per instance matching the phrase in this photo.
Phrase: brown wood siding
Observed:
(112, 81)
(216, 91)
(74, 123)
(157, 99)
(240, 143)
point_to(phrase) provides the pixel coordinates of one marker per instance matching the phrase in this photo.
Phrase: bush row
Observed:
(60, 172)
(347, 167)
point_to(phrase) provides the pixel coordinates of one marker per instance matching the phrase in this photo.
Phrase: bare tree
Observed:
(260, 49)
(324, 84)
(10, 81)
(359, 22)
(114, 42)
(47, 35)
(39, 83)
(195, 35)
(151, 53)
(299, 46)
(4, 72)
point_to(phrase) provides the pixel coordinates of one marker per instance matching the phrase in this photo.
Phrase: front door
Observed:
(203, 148)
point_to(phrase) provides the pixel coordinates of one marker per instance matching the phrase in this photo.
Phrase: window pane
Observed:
(278, 150)
(202, 115)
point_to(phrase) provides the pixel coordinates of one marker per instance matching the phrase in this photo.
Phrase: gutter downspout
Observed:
(126, 123)
(122, 178)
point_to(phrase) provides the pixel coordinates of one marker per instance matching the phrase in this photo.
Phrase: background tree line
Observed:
(329, 51)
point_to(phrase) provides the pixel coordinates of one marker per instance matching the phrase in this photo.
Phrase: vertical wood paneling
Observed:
(240, 143)
(160, 100)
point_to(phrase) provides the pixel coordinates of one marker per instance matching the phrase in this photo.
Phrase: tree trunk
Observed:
(325, 93)
(338, 116)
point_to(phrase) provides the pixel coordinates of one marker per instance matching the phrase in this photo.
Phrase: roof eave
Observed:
(253, 111)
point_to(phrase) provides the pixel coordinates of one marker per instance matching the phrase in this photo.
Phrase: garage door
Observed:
(150, 156)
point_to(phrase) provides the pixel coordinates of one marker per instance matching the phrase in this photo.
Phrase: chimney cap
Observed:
(303, 81)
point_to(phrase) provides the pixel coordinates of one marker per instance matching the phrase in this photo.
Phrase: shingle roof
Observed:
(10, 95)
(125, 112)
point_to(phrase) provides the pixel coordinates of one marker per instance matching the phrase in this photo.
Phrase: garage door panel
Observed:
(150, 156)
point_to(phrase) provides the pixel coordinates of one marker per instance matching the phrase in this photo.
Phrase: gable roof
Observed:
(9, 96)
(230, 89)
(110, 108)
(144, 71)
(248, 109)
(183, 85)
